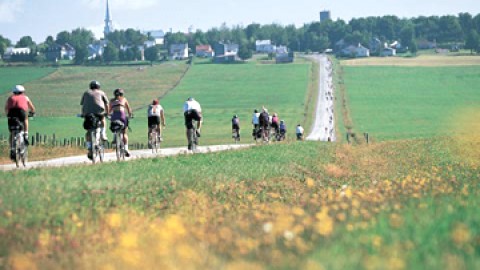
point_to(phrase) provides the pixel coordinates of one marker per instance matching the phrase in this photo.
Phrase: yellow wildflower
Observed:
(461, 234)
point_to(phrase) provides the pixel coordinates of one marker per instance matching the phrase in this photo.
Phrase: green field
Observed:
(10, 76)
(410, 102)
(223, 90)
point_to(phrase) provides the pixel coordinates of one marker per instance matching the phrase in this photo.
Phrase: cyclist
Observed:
(299, 132)
(283, 129)
(192, 111)
(236, 126)
(255, 122)
(275, 122)
(264, 121)
(94, 101)
(17, 106)
(118, 108)
(156, 116)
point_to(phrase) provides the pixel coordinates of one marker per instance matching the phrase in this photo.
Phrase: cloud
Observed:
(9, 9)
(120, 4)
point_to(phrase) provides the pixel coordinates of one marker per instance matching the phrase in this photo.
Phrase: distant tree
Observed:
(110, 53)
(4, 44)
(80, 38)
(466, 22)
(450, 29)
(175, 38)
(244, 52)
(25, 42)
(413, 47)
(81, 54)
(49, 41)
(152, 54)
(472, 42)
(63, 37)
(407, 36)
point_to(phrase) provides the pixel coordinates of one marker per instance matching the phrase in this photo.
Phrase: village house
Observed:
(283, 55)
(264, 46)
(11, 51)
(388, 52)
(95, 50)
(225, 52)
(205, 51)
(57, 52)
(178, 51)
(157, 37)
(355, 51)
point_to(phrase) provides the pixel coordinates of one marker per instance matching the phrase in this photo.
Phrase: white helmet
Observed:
(18, 89)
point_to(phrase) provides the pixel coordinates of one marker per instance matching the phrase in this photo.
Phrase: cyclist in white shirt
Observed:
(192, 111)
(299, 132)
(156, 116)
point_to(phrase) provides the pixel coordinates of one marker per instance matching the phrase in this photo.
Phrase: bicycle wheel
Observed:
(17, 142)
(24, 155)
(93, 138)
(101, 150)
(118, 145)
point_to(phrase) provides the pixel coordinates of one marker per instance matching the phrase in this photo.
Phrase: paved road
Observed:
(135, 154)
(324, 125)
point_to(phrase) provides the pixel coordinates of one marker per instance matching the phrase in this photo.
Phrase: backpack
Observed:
(264, 119)
(90, 121)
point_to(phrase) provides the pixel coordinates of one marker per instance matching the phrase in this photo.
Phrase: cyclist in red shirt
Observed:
(17, 106)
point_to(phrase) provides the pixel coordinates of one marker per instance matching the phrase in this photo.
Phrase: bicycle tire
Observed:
(18, 140)
(93, 138)
(101, 151)
(118, 145)
(24, 156)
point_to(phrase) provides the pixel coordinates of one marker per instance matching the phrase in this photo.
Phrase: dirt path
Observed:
(135, 154)
(324, 125)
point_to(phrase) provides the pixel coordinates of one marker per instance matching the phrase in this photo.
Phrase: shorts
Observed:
(17, 113)
(236, 127)
(89, 120)
(275, 126)
(120, 115)
(153, 120)
(191, 115)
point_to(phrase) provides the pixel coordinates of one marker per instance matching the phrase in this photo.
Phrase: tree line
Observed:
(462, 29)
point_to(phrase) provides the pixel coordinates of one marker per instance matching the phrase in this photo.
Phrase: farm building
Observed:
(264, 46)
(355, 51)
(157, 36)
(11, 51)
(225, 52)
(57, 52)
(388, 52)
(204, 51)
(282, 55)
(178, 51)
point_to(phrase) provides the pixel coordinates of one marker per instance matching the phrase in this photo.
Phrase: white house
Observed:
(264, 46)
(355, 51)
(12, 51)
(178, 51)
(158, 36)
(388, 52)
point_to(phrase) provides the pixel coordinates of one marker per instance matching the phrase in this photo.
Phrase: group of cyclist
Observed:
(96, 107)
(263, 124)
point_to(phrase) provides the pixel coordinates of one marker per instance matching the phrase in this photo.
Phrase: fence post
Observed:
(54, 138)
(37, 136)
(33, 140)
(366, 137)
(348, 138)
(44, 139)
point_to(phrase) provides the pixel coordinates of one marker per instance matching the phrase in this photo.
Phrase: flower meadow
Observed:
(390, 205)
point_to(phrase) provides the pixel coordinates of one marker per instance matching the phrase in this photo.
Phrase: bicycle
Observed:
(19, 149)
(117, 128)
(236, 135)
(192, 137)
(97, 143)
(154, 139)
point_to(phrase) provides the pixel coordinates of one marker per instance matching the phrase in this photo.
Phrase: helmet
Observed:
(274, 114)
(94, 85)
(190, 98)
(155, 102)
(255, 111)
(281, 121)
(18, 89)
(235, 116)
(118, 92)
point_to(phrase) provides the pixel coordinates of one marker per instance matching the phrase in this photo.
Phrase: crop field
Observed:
(420, 61)
(10, 76)
(410, 102)
(223, 90)
(393, 205)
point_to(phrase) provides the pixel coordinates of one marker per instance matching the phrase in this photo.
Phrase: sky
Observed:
(41, 18)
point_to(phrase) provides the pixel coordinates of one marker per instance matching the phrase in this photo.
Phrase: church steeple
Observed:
(108, 22)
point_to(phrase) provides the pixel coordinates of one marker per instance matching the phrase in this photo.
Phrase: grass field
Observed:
(390, 205)
(410, 102)
(10, 76)
(223, 90)
(422, 60)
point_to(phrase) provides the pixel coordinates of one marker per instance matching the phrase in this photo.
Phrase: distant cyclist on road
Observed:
(119, 108)
(299, 132)
(17, 106)
(94, 101)
(275, 122)
(283, 129)
(236, 125)
(156, 116)
(192, 111)
(264, 121)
